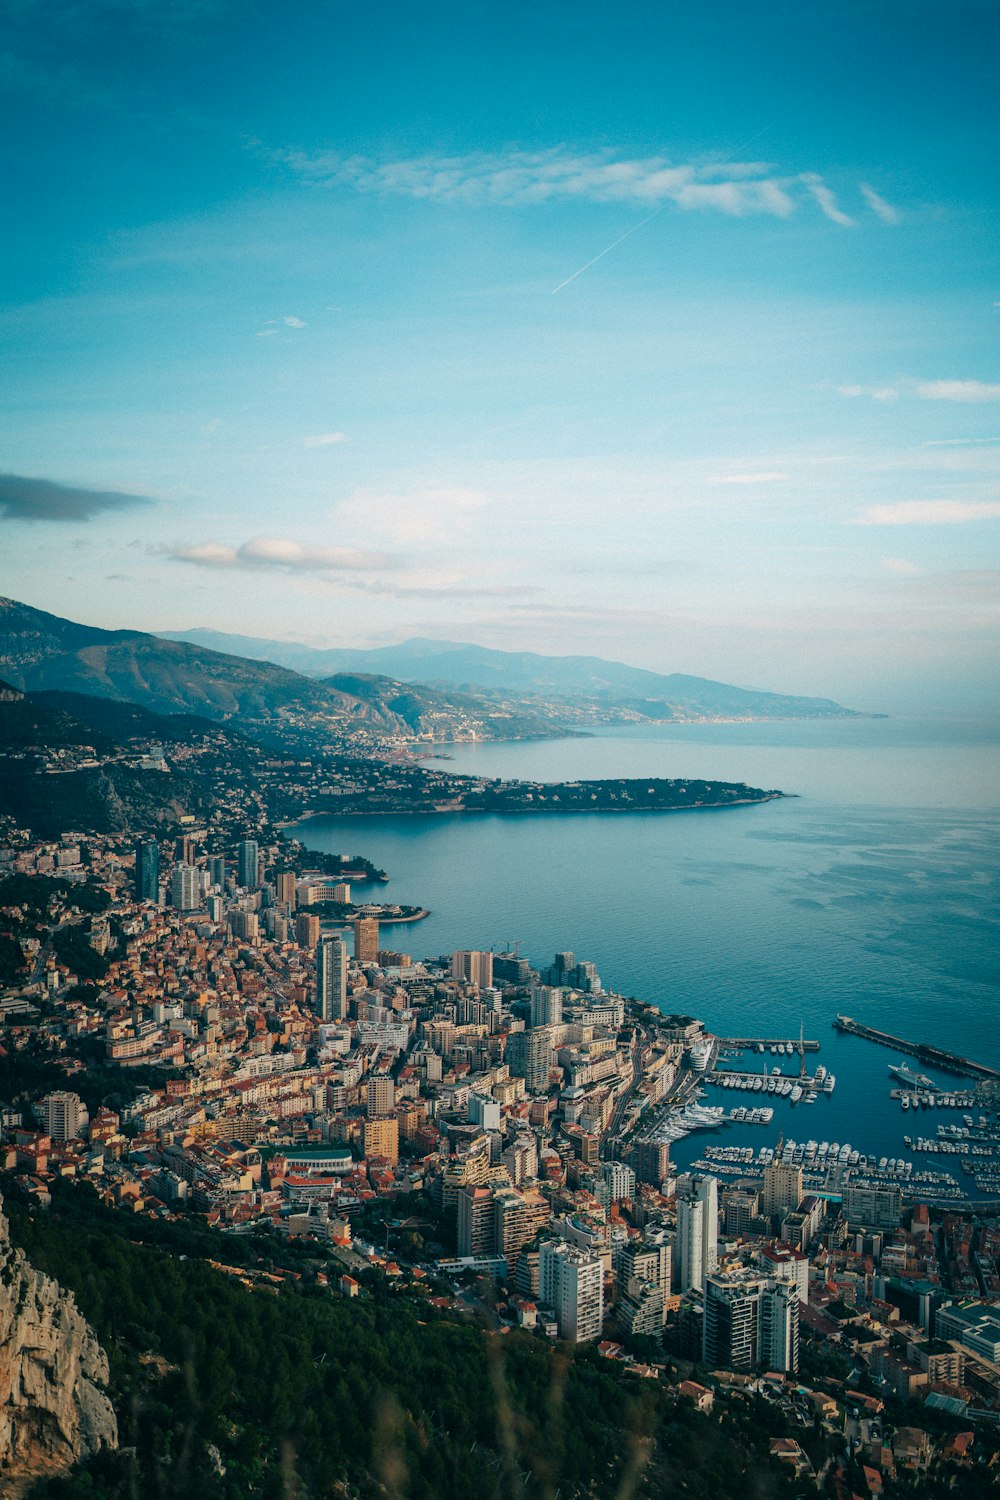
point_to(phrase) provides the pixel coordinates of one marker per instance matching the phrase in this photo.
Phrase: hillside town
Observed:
(187, 1032)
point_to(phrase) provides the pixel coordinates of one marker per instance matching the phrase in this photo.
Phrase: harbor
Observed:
(936, 1057)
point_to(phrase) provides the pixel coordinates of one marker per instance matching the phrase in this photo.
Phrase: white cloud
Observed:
(767, 477)
(874, 392)
(930, 513)
(958, 390)
(293, 322)
(324, 439)
(280, 552)
(528, 177)
(878, 205)
(826, 199)
(266, 333)
(902, 566)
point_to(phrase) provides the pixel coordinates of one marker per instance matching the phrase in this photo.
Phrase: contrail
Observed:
(609, 249)
(730, 158)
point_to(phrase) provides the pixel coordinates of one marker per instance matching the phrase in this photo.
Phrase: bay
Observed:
(874, 891)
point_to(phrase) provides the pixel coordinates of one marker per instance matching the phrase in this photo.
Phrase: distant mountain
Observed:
(612, 688)
(39, 651)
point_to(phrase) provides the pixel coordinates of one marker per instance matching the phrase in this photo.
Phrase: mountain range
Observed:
(542, 682)
(42, 652)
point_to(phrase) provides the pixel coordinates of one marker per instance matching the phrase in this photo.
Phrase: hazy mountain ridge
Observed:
(41, 652)
(539, 683)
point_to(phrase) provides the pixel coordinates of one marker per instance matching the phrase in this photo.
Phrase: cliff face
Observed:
(53, 1407)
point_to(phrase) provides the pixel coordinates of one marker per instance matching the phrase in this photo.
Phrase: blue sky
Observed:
(297, 345)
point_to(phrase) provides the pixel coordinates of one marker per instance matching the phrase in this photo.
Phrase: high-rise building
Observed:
(147, 871)
(571, 1282)
(778, 1333)
(381, 1139)
(873, 1207)
(247, 859)
(546, 1005)
(474, 1221)
(284, 888)
(64, 1115)
(380, 1095)
(245, 926)
(306, 930)
(366, 940)
(331, 979)
(782, 1188)
(529, 1056)
(473, 966)
(217, 871)
(740, 1206)
(186, 848)
(517, 1218)
(697, 1229)
(620, 1179)
(185, 887)
(732, 1308)
(751, 1322)
(650, 1161)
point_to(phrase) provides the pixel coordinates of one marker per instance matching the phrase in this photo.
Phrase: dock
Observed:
(751, 1043)
(937, 1057)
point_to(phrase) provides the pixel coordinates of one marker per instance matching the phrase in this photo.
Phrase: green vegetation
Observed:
(302, 1393)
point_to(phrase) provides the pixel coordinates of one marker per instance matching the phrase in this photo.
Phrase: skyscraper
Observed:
(247, 854)
(697, 1229)
(546, 1005)
(782, 1188)
(473, 966)
(185, 887)
(331, 979)
(751, 1322)
(571, 1282)
(217, 871)
(366, 940)
(147, 871)
(529, 1056)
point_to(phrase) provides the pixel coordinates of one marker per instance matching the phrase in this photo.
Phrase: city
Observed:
(473, 1131)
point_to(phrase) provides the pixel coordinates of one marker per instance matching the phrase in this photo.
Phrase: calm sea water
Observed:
(874, 891)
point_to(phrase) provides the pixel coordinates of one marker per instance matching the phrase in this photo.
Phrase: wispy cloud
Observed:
(766, 477)
(293, 322)
(24, 499)
(280, 552)
(826, 198)
(878, 205)
(902, 566)
(958, 390)
(930, 513)
(324, 439)
(429, 515)
(873, 392)
(530, 177)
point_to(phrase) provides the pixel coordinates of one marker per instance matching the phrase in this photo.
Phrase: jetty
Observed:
(768, 1043)
(949, 1062)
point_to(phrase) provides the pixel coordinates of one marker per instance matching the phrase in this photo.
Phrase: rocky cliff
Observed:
(53, 1375)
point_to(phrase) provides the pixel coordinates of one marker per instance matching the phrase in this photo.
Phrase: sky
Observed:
(659, 332)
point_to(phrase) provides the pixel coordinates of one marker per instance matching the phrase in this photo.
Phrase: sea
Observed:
(872, 889)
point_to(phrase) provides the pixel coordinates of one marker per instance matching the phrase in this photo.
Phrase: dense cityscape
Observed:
(187, 1038)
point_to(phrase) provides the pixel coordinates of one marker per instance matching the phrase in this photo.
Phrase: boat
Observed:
(907, 1077)
(828, 1083)
(796, 1093)
(820, 1073)
(904, 1102)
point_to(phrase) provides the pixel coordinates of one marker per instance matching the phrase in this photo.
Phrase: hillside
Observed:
(41, 652)
(536, 682)
(59, 773)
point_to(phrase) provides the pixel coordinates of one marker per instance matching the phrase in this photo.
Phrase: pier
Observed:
(751, 1043)
(937, 1057)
